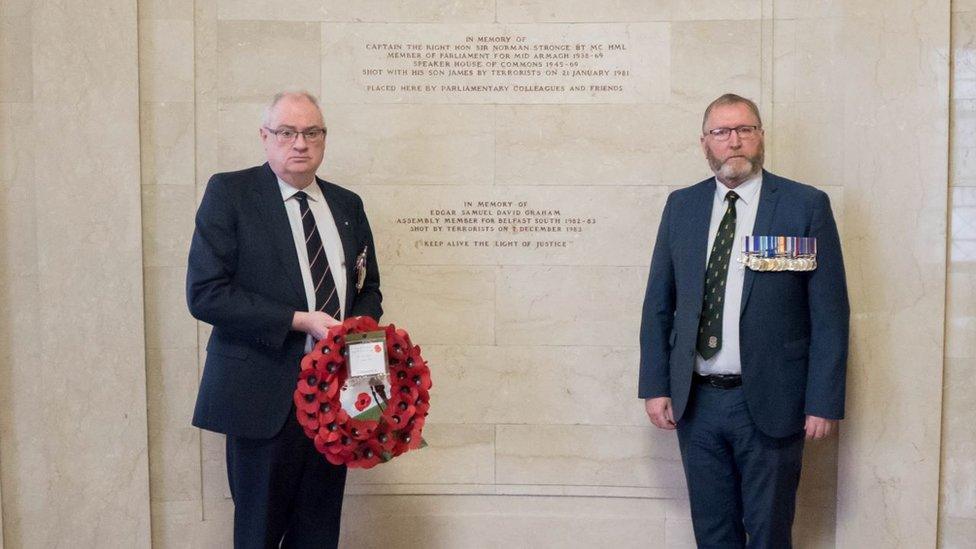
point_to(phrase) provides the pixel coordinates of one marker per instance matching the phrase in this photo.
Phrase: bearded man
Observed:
(745, 362)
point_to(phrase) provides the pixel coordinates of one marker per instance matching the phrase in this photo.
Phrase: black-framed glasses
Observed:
(744, 132)
(287, 136)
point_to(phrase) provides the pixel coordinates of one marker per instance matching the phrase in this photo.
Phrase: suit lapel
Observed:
(343, 220)
(272, 209)
(699, 218)
(768, 197)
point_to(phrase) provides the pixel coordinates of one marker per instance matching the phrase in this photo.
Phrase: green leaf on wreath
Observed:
(373, 414)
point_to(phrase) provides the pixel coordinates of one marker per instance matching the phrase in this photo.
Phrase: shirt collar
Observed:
(747, 191)
(313, 191)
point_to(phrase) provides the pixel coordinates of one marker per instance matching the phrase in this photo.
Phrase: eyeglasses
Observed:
(744, 132)
(287, 136)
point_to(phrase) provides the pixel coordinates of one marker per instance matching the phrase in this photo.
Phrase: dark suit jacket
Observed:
(793, 326)
(244, 279)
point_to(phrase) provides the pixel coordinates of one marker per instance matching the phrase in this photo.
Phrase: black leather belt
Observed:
(719, 381)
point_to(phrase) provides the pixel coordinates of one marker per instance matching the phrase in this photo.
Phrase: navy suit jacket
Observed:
(244, 278)
(793, 326)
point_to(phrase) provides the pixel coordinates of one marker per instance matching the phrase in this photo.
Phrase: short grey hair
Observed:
(731, 99)
(269, 108)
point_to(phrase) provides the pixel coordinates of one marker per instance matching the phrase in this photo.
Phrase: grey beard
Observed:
(726, 172)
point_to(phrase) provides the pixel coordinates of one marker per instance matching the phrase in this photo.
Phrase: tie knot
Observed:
(302, 197)
(731, 197)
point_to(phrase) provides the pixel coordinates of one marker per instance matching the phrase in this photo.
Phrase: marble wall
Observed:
(957, 504)
(534, 424)
(73, 423)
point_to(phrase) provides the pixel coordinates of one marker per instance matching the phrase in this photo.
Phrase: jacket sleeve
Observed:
(368, 300)
(212, 294)
(829, 319)
(657, 318)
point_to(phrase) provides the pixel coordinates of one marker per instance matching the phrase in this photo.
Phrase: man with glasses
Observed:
(745, 362)
(278, 256)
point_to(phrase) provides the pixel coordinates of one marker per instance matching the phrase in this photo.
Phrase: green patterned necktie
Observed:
(710, 322)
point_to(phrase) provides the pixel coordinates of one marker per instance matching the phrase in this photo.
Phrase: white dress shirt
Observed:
(728, 360)
(329, 234)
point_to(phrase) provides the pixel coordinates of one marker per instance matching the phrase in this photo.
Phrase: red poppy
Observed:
(406, 392)
(362, 401)
(361, 430)
(306, 403)
(362, 443)
(327, 390)
(308, 381)
(336, 459)
(368, 456)
(359, 324)
(401, 409)
(385, 438)
(309, 360)
(308, 421)
(344, 445)
(420, 379)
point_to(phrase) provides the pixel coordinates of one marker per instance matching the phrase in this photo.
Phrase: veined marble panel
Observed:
(167, 141)
(168, 224)
(256, 59)
(809, 9)
(814, 526)
(16, 84)
(536, 385)
(168, 322)
(386, 11)
(515, 225)
(456, 454)
(474, 521)
(698, 74)
(15, 8)
(569, 305)
(963, 144)
(808, 62)
(804, 138)
(165, 60)
(185, 525)
(16, 143)
(237, 137)
(166, 9)
(398, 145)
(174, 444)
(494, 63)
(601, 455)
(597, 145)
(214, 467)
(90, 470)
(21, 458)
(542, 11)
(206, 51)
(440, 304)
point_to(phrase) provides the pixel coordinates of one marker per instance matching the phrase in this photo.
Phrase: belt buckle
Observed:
(721, 381)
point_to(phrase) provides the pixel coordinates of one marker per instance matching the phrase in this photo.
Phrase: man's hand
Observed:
(315, 323)
(818, 427)
(659, 410)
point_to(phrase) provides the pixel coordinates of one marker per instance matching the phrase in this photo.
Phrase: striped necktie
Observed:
(710, 321)
(326, 297)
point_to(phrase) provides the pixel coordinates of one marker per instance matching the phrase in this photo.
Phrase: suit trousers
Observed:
(284, 491)
(741, 483)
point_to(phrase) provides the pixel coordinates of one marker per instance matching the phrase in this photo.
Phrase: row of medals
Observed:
(759, 263)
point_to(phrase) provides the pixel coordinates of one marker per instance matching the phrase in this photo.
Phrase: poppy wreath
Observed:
(343, 439)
